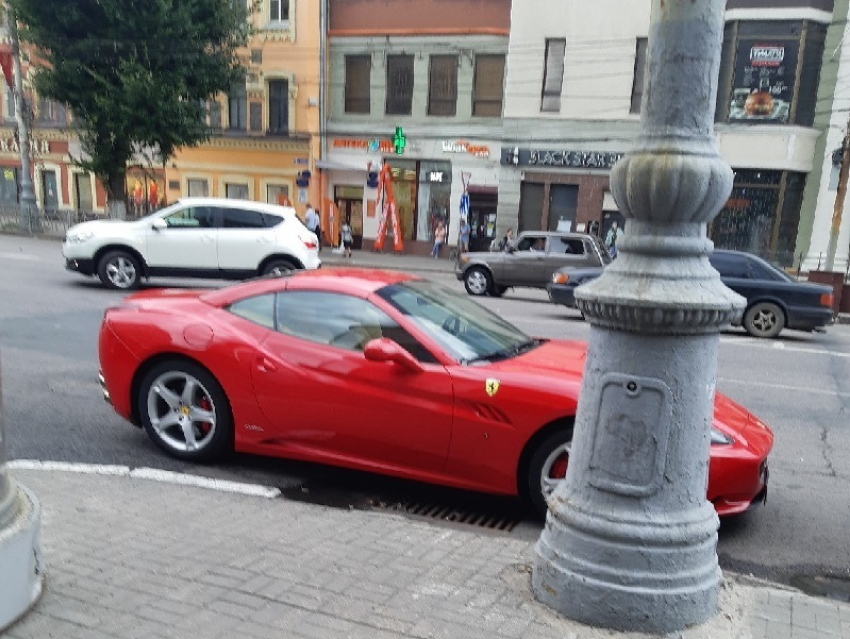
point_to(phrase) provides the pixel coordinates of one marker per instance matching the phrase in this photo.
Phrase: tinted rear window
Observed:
(272, 220)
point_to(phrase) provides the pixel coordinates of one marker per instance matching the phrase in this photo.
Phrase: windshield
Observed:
(469, 333)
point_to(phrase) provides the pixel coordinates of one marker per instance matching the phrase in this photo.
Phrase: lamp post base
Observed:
(21, 573)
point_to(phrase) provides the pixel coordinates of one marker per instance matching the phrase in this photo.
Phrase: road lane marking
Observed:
(782, 387)
(23, 257)
(151, 474)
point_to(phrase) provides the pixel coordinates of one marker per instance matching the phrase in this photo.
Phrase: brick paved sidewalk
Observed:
(132, 558)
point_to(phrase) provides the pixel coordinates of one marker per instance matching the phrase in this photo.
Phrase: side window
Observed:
(759, 272)
(340, 320)
(271, 220)
(729, 266)
(242, 219)
(259, 309)
(193, 217)
(566, 246)
(531, 243)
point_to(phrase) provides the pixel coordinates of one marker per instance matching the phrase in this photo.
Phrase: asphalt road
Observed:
(799, 385)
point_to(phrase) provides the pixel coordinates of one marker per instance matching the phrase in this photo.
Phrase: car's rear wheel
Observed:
(548, 468)
(477, 281)
(764, 319)
(278, 266)
(119, 270)
(185, 411)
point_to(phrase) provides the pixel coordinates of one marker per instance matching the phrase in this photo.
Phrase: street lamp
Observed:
(21, 572)
(630, 539)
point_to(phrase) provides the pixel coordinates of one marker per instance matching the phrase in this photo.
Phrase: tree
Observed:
(135, 74)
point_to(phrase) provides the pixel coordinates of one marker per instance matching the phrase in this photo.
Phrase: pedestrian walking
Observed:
(347, 238)
(465, 230)
(439, 238)
(313, 224)
(611, 239)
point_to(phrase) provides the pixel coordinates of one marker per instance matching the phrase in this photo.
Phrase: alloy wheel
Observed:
(121, 272)
(476, 282)
(181, 411)
(554, 469)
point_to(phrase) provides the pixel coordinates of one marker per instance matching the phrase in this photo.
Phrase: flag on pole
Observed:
(464, 206)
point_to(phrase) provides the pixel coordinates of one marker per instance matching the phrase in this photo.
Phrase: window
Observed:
(276, 192)
(8, 185)
(532, 243)
(339, 320)
(191, 218)
(399, 84)
(730, 265)
(442, 88)
(553, 74)
(770, 71)
(198, 188)
(357, 83)
(566, 246)
(11, 106)
(489, 83)
(236, 191)
(278, 10)
(279, 107)
(259, 309)
(85, 201)
(52, 113)
(238, 108)
(242, 219)
(640, 72)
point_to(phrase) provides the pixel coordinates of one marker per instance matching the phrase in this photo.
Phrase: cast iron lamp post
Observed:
(630, 539)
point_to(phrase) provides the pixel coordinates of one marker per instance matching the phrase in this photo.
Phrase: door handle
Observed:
(265, 365)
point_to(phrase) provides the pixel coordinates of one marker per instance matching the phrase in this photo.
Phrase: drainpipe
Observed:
(323, 145)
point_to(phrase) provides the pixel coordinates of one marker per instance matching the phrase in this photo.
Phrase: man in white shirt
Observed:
(311, 220)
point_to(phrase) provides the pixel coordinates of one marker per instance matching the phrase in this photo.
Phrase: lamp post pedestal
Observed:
(630, 539)
(21, 573)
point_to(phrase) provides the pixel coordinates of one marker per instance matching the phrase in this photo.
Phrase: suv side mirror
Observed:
(159, 224)
(386, 350)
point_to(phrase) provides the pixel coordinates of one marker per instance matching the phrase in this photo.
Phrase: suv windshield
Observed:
(469, 333)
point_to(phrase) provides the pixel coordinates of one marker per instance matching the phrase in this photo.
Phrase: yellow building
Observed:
(265, 140)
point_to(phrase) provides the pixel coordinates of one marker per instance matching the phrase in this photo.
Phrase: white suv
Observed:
(196, 237)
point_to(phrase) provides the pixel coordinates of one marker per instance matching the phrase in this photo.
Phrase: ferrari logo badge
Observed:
(491, 386)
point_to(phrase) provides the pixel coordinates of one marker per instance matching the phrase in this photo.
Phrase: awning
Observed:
(331, 165)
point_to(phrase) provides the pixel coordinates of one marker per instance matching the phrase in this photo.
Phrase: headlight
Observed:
(560, 278)
(76, 238)
(719, 438)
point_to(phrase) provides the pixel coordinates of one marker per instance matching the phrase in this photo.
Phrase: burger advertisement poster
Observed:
(764, 81)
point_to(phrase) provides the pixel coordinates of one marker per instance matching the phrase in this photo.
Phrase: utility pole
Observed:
(840, 197)
(20, 554)
(630, 538)
(30, 220)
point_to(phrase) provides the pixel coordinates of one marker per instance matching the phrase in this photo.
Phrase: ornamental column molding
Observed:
(630, 539)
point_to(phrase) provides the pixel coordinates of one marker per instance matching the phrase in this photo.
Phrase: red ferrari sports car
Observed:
(377, 371)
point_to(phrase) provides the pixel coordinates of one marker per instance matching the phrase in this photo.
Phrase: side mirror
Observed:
(386, 350)
(159, 224)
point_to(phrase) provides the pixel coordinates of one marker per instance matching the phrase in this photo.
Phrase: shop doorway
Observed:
(49, 190)
(483, 203)
(349, 203)
(563, 202)
(530, 206)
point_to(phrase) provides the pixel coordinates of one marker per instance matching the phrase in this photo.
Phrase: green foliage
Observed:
(134, 72)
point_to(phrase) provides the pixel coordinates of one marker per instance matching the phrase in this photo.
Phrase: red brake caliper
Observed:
(559, 468)
(205, 427)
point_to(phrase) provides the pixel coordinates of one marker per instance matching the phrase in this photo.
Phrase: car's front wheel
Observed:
(119, 270)
(548, 468)
(477, 281)
(764, 319)
(185, 411)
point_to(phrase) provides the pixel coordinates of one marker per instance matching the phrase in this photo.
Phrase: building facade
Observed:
(266, 132)
(573, 95)
(417, 84)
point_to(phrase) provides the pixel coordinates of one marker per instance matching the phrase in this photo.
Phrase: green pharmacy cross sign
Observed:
(399, 141)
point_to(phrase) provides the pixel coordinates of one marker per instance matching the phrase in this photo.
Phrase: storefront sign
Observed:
(36, 146)
(373, 145)
(570, 159)
(764, 80)
(435, 176)
(461, 146)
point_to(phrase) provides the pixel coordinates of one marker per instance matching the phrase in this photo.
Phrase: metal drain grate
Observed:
(443, 512)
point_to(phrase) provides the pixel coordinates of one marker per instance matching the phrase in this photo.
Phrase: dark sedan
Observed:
(775, 300)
